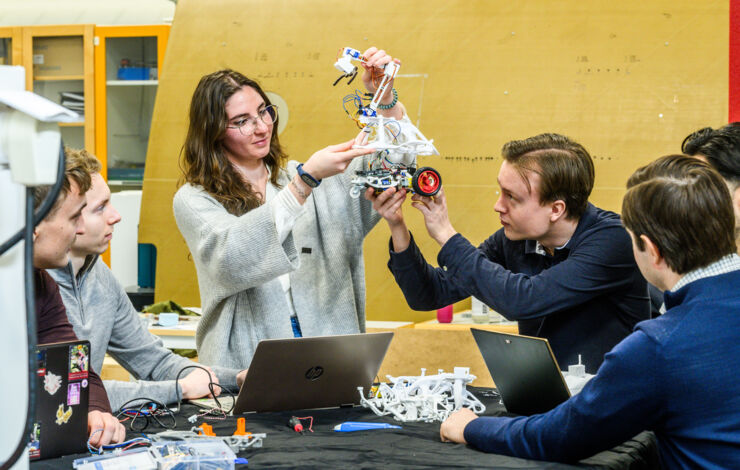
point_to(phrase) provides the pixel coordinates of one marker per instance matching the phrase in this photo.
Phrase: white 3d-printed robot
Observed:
(425, 398)
(397, 142)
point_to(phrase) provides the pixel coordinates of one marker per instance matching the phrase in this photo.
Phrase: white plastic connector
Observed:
(344, 65)
(391, 69)
(577, 370)
(351, 53)
(576, 377)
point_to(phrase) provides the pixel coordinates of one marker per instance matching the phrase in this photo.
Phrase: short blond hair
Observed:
(81, 160)
(80, 165)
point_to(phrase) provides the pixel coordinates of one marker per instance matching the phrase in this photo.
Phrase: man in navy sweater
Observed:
(560, 266)
(675, 375)
(721, 149)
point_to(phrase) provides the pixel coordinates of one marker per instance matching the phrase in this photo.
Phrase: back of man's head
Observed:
(682, 205)
(78, 167)
(720, 147)
(673, 166)
(565, 167)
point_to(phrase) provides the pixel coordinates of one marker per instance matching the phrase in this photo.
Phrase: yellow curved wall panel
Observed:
(627, 79)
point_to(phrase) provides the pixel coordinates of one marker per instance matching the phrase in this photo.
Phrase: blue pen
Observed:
(350, 426)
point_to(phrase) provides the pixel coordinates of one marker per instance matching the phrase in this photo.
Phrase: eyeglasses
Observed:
(247, 125)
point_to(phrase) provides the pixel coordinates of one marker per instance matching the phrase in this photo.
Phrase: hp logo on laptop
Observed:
(314, 373)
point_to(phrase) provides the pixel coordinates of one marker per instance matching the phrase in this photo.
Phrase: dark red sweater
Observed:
(53, 327)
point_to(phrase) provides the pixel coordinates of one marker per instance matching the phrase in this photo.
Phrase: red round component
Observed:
(426, 181)
(295, 424)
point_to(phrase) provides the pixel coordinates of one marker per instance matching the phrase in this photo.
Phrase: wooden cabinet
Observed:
(59, 66)
(128, 60)
(91, 69)
(10, 45)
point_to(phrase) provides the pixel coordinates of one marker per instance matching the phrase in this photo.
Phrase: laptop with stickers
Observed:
(62, 396)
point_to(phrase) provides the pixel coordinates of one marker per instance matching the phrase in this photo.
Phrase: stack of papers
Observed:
(74, 100)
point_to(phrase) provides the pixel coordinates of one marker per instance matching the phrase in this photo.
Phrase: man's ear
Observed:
(557, 210)
(656, 258)
(35, 233)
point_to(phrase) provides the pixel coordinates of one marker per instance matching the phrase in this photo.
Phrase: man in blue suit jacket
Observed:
(675, 375)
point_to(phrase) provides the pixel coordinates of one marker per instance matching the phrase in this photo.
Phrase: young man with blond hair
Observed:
(560, 266)
(675, 375)
(101, 312)
(52, 241)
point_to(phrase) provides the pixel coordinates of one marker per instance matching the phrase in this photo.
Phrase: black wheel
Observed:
(426, 181)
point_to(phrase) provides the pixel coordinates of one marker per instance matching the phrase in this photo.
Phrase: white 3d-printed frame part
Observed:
(400, 140)
(237, 443)
(396, 142)
(425, 398)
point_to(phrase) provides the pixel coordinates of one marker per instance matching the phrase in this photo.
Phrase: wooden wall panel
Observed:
(629, 80)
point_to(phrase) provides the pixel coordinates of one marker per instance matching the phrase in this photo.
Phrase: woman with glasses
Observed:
(277, 245)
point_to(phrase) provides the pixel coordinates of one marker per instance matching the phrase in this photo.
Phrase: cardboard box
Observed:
(57, 55)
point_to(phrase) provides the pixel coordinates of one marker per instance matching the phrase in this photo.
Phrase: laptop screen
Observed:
(524, 370)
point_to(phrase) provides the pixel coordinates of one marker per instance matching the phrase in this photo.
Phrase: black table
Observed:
(416, 445)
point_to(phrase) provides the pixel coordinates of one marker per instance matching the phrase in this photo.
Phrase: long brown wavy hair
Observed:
(203, 158)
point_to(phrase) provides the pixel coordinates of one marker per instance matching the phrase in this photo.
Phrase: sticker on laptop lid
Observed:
(52, 382)
(41, 363)
(79, 361)
(34, 444)
(63, 415)
(73, 394)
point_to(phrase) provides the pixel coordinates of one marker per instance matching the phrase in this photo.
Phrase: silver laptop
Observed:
(315, 372)
(524, 370)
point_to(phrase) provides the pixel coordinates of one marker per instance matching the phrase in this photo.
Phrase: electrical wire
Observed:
(137, 441)
(45, 206)
(296, 423)
(357, 100)
(149, 409)
(214, 413)
(310, 422)
(376, 77)
(395, 135)
(26, 233)
(211, 384)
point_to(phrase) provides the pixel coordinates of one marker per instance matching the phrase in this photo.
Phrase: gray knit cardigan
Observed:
(239, 259)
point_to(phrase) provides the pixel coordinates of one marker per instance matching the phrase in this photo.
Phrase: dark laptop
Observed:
(62, 395)
(316, 372)
(524, 370)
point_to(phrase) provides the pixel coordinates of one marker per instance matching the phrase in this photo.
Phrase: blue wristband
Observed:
(307, 178)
